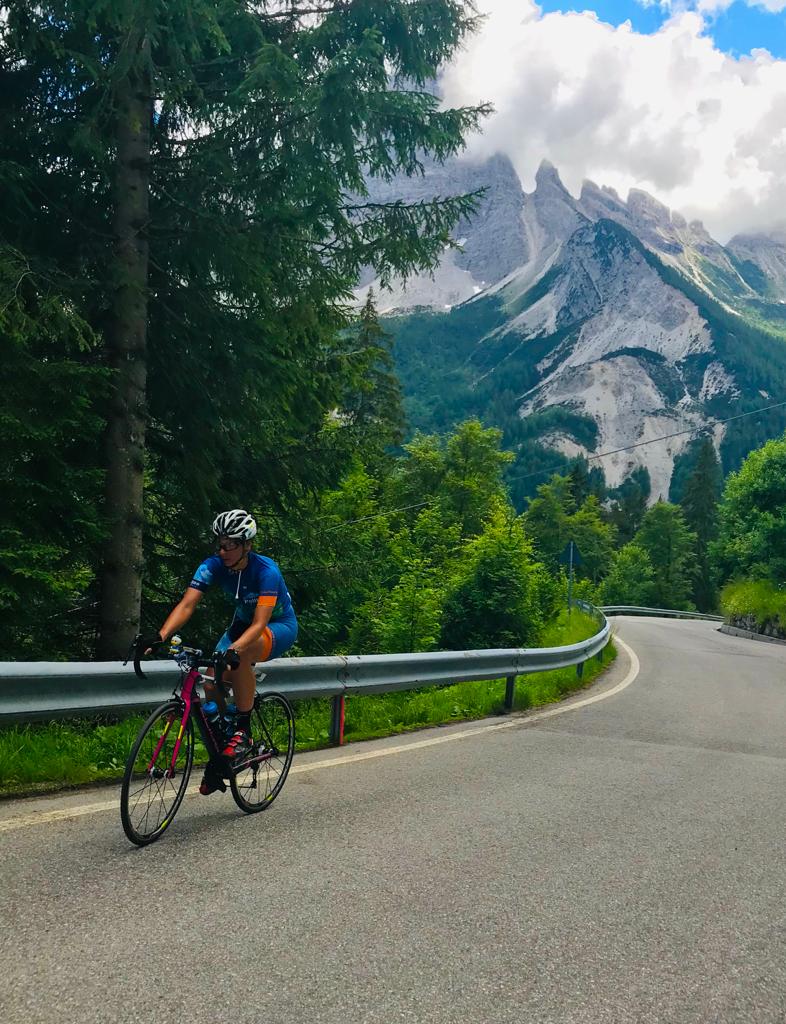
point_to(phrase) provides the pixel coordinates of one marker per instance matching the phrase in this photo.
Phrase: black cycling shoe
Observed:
(210, 783)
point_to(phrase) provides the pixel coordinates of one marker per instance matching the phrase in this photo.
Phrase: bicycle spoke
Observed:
(256, 783)
(150, 795)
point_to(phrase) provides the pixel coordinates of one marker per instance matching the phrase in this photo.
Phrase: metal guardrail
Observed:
(49, 690)
(666, 613)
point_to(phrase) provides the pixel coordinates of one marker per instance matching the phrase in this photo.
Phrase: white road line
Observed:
(40, 818)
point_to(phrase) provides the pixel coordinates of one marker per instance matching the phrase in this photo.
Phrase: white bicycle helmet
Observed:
(237, 524)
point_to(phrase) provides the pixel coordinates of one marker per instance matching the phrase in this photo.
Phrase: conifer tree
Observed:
(194, 172)
(700, 497)
(371, 405)
(547, 519)
(671, 548)
(630, 579)
(628, 509)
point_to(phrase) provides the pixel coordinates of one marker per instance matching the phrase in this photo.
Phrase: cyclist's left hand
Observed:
(232, 659)
(147, 644)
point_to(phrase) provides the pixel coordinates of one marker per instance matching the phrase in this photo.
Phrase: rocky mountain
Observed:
(591, 324)
(762, 259)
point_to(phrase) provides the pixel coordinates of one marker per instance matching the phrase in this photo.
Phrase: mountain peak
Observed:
(597, 203)
(548, 175)
(589, 188)
(643, 206)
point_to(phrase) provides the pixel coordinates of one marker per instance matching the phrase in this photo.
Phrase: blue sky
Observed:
(737, 30)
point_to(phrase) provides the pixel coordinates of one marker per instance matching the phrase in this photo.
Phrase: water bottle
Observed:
(212, 714)
(230, 719)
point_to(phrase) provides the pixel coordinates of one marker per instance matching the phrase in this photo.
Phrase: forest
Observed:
(185, 216)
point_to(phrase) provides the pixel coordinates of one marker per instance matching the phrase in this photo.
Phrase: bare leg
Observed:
(242, 679)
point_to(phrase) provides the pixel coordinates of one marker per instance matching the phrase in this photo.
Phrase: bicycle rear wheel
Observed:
(257, 782)
(153, 788)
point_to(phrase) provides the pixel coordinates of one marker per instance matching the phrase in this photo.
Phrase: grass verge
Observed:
(762, 602)
(45, 757)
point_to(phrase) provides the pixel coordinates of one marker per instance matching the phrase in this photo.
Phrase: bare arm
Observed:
(181, 613)
(257, 627)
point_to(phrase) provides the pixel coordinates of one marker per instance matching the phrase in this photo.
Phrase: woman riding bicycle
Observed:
(263, 626)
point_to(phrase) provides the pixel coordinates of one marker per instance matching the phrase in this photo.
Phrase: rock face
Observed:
(493, 243)
(587, 281)
(629, 341)
(762, 259)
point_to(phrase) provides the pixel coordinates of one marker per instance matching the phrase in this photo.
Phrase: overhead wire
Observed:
(307, 569)
(702, 428)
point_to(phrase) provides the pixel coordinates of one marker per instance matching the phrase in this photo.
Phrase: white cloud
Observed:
(667, 112)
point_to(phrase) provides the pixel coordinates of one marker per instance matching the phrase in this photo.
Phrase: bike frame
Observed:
(191, 700)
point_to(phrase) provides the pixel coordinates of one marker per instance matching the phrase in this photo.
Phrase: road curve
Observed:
(620, 862)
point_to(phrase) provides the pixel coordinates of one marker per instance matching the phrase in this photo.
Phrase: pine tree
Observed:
(630, 579)
(547, 519)
(627, 511)
(371, 406)
(671, 548)
(700, 496)
(50, 479)
(195, 174)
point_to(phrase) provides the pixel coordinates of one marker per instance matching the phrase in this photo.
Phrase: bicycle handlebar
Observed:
(192, 655)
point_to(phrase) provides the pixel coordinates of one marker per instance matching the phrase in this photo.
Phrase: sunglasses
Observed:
(227, 545)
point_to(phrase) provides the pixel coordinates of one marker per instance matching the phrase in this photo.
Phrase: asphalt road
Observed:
(619, 862)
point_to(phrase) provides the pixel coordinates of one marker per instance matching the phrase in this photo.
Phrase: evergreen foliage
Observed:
(499, 597)
(671, 548)
(49, 477)
(700, 506)
(188, 179)
(629, 503)
(631, 579)
(751, 539)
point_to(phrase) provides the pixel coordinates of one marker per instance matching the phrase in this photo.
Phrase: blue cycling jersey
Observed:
(260, 583)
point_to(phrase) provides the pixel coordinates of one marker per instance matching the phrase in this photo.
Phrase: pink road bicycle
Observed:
(159, 765)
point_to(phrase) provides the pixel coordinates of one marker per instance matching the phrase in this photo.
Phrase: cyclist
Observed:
(264, 624)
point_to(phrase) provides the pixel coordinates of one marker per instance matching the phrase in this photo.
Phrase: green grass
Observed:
(760, 600)
(44, 757)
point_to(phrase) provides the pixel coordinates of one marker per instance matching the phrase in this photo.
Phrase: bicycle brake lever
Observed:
(132, 648)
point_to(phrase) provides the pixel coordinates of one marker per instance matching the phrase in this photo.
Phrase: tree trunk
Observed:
(121, 582)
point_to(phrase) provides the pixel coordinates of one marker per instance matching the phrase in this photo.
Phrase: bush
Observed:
(500, 596)
(760, 600)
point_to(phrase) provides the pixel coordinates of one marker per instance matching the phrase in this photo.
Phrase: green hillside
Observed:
(448, 375)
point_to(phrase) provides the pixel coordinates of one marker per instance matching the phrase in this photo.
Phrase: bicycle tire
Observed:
(166, 797)
(273, 728)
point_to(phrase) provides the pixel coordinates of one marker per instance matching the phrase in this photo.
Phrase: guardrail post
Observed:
(580, 670)
(510, 692)
(337, 721)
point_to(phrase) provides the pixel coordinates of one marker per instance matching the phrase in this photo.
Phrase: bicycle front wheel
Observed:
(257, 782)
(155, 780)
